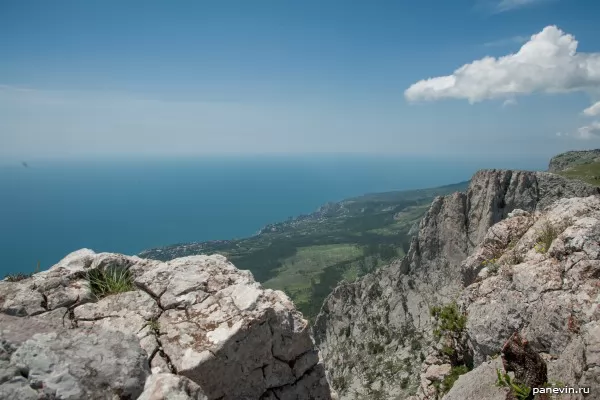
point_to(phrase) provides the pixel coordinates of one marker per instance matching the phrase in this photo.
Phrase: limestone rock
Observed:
(71, 364)
(206, 329)
(479, 384)
(374, 334)
(171, 387)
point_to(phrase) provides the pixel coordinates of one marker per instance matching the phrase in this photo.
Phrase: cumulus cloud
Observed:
(593, 110)
(548, 63)
(591, 131)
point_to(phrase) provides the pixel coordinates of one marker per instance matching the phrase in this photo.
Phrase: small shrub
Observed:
(449, 351)
(449, 320)
(392, 368)
(19, 276)
(492, 265)
(346, 331)
(415, 344)
(154, 326)
(375, 348)
(515, 257)
(404, 383)
(370, 377)
(520, 391)
(341, 383)
(113, 279)
(545, 238)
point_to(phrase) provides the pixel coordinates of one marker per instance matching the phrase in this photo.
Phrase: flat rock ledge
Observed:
(192, 328)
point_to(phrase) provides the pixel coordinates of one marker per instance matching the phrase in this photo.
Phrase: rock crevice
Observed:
(194, 327)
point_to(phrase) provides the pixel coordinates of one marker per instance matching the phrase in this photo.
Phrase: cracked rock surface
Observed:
(551, 296)
(375, 334)
(192, 328)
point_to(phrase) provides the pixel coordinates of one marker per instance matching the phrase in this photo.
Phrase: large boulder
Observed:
(205, 329)
(69, 364)
(480, 384)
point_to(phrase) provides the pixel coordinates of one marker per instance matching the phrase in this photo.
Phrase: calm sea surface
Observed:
(52, 208)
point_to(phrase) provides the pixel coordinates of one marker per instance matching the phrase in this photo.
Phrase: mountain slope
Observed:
(570, 159)
(307, 256)
(374, 334)
(582, 165)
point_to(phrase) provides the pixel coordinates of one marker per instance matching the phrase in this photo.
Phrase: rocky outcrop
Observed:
(570, 159)
(547, 292)
(191, 328)
(479, 384)
(375, 335)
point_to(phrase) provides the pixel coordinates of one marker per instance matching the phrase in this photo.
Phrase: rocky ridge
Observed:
(570, 159)
(376, 335)
(191, 328)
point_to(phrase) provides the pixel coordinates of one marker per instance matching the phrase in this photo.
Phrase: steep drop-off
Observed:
(376, 335)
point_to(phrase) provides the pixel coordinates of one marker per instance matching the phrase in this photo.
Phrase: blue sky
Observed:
(106, 78)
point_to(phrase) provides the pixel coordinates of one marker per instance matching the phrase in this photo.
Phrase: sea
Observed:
(51, 208)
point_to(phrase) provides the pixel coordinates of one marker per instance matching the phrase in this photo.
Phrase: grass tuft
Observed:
(545, 238)
(19, 276)
(113, 279)
(519, 391)
(16, 277)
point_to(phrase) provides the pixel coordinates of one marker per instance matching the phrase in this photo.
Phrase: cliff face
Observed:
(569, 159)
(548, 292)
(375, 335)
(191, 328)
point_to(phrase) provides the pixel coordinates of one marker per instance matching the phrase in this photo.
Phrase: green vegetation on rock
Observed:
(545, 237)
(582, 165)
(110, 280)
(519, 391)
(449, 320)
(19, 276)
(589, 173)
(451, 378)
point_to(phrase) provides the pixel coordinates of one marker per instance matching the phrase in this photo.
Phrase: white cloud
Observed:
(509, 102)
(591, 131)
(507, 5)
(548, 62)
(587, 132)
(592, 110)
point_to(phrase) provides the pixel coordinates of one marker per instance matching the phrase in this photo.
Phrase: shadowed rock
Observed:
(204, 328)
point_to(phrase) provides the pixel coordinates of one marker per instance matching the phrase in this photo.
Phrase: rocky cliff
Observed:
(537, 305)
(191, 328)
(377, 336)
(570, 159)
